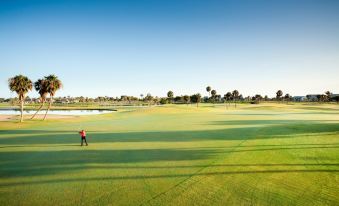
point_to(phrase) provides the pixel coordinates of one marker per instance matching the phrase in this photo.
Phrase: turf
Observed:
(267, 154)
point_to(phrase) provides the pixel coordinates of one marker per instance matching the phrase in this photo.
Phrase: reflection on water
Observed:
(59, 112)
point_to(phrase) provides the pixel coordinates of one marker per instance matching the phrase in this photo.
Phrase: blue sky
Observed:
(126, 47)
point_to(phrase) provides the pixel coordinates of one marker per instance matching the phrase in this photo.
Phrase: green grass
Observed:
(267, 154)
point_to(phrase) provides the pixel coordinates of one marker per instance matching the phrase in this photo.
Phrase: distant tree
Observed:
(213, 95)
(129, 99)
(228, 96)
(287, 98)
(324, 98)
(218, 97)
(149, 98)
(308, 97)
(163, 101)
(235, 95)
(266, 98)
(53, 84)
(156, 100)
(170, 96)
(258, 97)
(279, 93)
(208, 89)
(329, 95)
(41, 87)
(21, 85)
(187, 99)
(141, 96)
(225, 100)
(196, 98)
(178, 99)
(81, 99)
(321, 98)
(213, 92)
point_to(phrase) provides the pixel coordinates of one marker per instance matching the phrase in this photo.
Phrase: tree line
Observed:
(49, 85)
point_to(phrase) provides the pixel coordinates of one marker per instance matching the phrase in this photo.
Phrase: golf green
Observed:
(266, 154)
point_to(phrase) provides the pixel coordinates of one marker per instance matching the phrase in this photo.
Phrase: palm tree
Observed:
(40, 87)
(279, 94)
(213, 94)
(196, 98)
(225, 100)
(208, 89)
(198, 95)
(235, 95)
(52, 85)
(228, 97)
(170, 95)
(21, 85)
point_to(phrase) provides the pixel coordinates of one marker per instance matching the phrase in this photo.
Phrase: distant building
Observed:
(312, 97)
(299, 98)
(62, 101)
(335, 97)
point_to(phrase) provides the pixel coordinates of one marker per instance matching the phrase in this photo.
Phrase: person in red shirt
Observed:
(83, 137)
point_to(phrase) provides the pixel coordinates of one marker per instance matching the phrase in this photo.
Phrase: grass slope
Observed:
(269, 154)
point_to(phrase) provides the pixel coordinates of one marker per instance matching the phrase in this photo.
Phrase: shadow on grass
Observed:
(136, 177)
(36, 163)
(257, 129)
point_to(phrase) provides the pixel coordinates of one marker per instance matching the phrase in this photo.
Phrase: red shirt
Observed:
(83, 134)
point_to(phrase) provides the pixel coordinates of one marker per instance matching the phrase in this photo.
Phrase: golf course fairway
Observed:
(266, 154)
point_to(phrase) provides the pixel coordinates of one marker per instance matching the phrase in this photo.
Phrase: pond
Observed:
(58, 112)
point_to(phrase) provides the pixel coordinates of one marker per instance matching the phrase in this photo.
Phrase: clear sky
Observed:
(127, 47)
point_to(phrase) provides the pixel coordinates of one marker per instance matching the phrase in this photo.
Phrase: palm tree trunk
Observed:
(22, 110)
(42, 104)
(49, 107)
